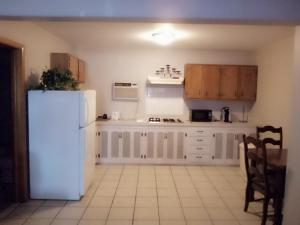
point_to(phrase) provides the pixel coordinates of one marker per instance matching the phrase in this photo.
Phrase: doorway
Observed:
(13, 144)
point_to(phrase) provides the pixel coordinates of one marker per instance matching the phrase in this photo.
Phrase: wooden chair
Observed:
(260, 130)
(259, 178)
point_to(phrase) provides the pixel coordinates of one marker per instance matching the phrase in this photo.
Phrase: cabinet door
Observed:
(193, 81)
(230, 145)
(73, 66)
(103, 144)
(211, 79)
(229, 82)
(180, 145)
(170, 145)
(218, 146)
(247, 82)
(81, 71)
(137, 137)
(115, 144)
(160, 145)
(150, 145)
(126, 144)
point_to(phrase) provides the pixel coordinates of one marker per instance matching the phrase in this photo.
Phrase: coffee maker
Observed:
(225, 115)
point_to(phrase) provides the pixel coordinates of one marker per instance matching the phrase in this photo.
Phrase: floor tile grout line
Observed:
(54, 218)
(188, 172)
(179, 199)
(217, 190)
(121, 174)
(26, 219)
(91, 197)
(156, 187)
(137, 181)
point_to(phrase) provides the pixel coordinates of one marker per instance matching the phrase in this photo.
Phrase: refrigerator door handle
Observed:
(86, 113)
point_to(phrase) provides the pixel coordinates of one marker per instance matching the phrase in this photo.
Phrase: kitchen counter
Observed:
(167, 124)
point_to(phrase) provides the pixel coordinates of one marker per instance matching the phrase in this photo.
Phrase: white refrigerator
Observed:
(62, 142)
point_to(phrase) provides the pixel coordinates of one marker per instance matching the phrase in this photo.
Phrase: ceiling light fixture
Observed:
(163, 37)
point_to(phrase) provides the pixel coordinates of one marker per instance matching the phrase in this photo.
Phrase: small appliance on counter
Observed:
(103, 117)
(225, 115)
(115, 115)
(201, 115)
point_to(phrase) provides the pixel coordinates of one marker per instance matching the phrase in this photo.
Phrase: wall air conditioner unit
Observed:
(125, 91)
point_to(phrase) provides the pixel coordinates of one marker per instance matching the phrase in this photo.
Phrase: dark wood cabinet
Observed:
(247, 82)
(67, 61)
(229, 82)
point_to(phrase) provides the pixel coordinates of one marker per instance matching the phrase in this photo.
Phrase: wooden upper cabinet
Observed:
(247, 82)
(229, 77)
(73, 66)
(201, 80)
(193, 81)
(231, 82)
(210, 81)
(67, 61)
(81, 71)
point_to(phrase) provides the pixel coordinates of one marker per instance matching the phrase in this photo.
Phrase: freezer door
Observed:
(88, 148)
(87, 107)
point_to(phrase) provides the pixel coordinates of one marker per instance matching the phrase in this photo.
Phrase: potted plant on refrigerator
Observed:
(57, 79)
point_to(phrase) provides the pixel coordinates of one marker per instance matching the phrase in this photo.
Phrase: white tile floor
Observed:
(147, 195)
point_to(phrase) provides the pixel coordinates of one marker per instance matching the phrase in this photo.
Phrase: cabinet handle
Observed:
(145, 134)
(185, 134)
(199, 140)
(199, 148)
(142, 134)
(200, 131)
(213, 157)
(214, 135)
(141, 156)
(184, 157)
(199, 157)
(145, 157)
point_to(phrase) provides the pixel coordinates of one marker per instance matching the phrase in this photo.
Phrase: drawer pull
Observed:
(199, 157)
(199, 140)
(199, 148)
(200, 131)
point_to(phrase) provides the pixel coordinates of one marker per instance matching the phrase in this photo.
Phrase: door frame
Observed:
(20, 147)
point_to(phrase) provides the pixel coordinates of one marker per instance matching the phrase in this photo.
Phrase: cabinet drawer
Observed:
(198, 141)
(199, 133)
(197, 149)
(198, 157)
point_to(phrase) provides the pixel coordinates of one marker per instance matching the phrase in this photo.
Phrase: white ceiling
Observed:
(105, 35)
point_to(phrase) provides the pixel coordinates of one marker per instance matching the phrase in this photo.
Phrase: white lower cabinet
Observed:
(198, 145)
(169, 145)
(143, 147)
(226, 145)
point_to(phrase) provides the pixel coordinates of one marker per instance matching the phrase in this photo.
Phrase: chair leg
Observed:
(248, 197)
(265, 210)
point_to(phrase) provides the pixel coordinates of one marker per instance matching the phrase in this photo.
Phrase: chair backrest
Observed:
(256, 160)
(260, 130)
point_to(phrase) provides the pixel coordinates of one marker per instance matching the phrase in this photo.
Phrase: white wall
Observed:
(105, 67)
(292, 195)
(275, 64)
(38, 44)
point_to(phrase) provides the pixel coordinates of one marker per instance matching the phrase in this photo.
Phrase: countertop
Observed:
(162, 124)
